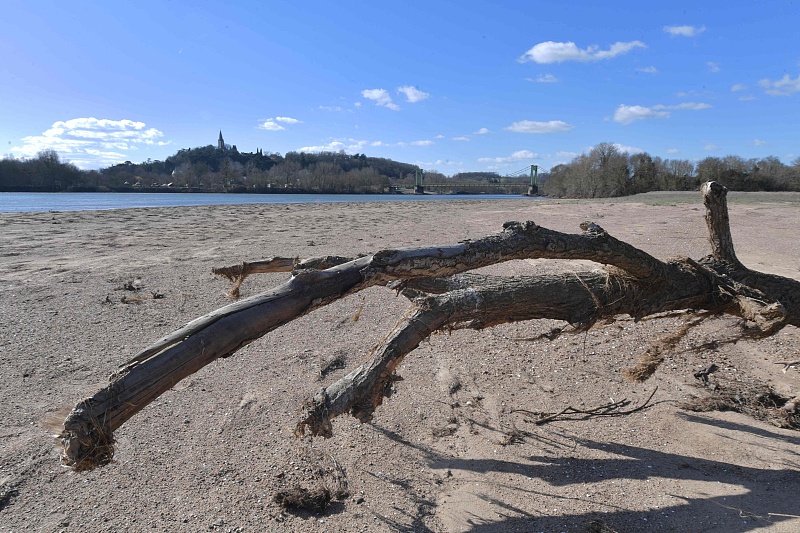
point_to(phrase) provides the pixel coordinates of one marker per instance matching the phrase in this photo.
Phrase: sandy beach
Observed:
(451, 451)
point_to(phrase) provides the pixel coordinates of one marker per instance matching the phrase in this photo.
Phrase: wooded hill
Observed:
(225, 169)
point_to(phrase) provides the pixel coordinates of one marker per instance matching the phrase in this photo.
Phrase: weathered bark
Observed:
(279, 264)
(238, 273)
(718, 222)
(485, 301)
(634, 283)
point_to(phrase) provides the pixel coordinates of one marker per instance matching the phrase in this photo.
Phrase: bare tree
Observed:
(285, 173)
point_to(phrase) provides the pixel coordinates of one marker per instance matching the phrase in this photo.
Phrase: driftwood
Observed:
(444, 297)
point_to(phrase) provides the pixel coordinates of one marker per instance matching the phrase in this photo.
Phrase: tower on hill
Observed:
(220, 142)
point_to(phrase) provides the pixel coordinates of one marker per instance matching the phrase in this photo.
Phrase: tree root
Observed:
(757, 400)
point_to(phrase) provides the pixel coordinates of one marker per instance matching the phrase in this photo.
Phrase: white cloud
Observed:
(627, 114)
(330, 108)
(91, 142)
(694, 106)
(438, 163)
(759, 142)
(413, 95)
(738, 87)
(555, 52)
(543, 78)
(462, 138)
(713, 67)
(532, 126)
(686, 94)
(381, 97)
(628, 149)
(747, 98)
(333, 146)
(349, 146)
(620, 147)
(357, 104)
(519, 155)
(567, 155)
(482, 131)
(648, 70)
(440, 136)
(711, 147)
(782, 87)
(684, 31)
(673, 151)
(270, 125)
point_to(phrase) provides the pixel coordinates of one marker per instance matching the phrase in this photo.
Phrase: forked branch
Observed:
(444, 296)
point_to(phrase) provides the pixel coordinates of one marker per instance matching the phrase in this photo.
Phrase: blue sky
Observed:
(451, 86)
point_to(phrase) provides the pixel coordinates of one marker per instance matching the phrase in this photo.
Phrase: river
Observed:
(21, 202)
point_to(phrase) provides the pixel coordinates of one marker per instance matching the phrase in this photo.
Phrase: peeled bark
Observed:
(444, 297)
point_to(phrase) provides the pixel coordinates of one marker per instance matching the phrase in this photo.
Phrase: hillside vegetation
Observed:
(604, 171)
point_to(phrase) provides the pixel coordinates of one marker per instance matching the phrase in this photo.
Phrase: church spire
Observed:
(220, 142)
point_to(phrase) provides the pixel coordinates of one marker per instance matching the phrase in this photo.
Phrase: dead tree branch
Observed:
(444, 296)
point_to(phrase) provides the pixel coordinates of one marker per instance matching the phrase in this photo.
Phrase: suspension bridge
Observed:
(511, 180)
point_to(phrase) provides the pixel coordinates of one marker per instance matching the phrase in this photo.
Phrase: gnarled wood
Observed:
(238, 273)
(718, 222)
(444, 296)
(485, 301)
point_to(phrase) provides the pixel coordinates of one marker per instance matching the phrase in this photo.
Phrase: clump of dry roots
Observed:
(96, 447)
(316, 499)
(329, 482)
(757, 400)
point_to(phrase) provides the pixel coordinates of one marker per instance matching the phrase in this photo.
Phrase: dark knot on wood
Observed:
(592, 230)
(515, 226)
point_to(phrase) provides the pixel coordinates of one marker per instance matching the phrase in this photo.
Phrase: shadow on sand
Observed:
(769, 495)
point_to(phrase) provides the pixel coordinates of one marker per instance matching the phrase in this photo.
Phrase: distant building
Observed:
(220, 142)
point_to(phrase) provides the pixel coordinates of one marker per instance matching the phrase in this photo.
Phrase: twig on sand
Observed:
(609, 409)
(787, 364)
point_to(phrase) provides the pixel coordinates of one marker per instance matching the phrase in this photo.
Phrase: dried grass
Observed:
(652, 358)
(328, 483)
(357, 314)
(646, 366)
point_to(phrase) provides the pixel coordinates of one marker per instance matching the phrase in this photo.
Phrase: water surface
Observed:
(19, 202)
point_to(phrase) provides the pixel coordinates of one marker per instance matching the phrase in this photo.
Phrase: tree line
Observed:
(214, 169)
(606, 171)
(45, 172)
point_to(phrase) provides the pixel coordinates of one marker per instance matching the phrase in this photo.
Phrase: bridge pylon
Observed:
(533, 189)
(419, 176)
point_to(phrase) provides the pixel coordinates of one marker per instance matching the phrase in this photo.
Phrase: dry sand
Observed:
(211, 453)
